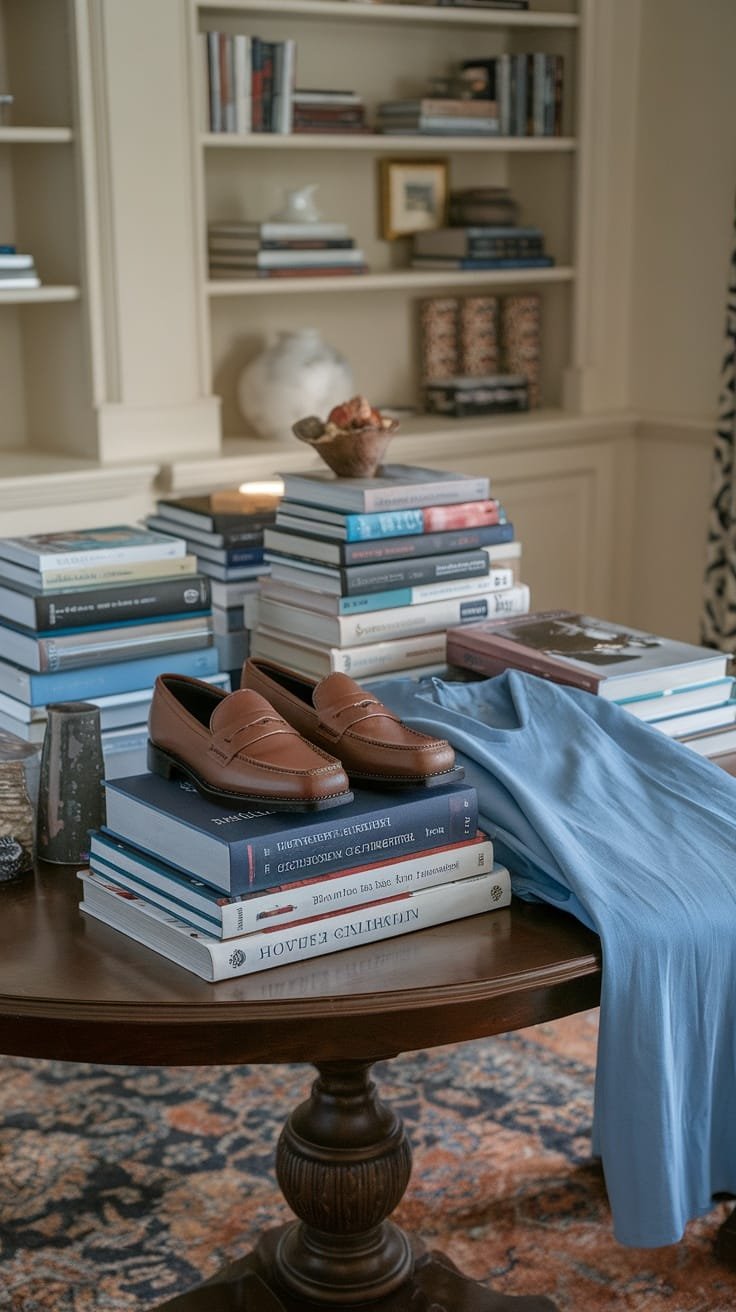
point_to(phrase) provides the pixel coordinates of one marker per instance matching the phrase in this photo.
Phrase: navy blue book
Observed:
(239, 851)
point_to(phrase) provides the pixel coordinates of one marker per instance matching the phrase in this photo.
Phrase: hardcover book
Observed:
(612, 660)
(277, 588)
(85, 607)
(241, 850)
(307, 543)
(313, 660)
(398, 487)
(222, 511)
(393, 523)
(102, 679)
(213, 959)
(87, 576)
(80, 648)
(78, 548)
(225, 917)
(351, 580)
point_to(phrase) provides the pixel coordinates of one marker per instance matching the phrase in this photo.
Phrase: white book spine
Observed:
(314, 897)
(213, 81)
(241, 57)
(358, 662)
(215, 960)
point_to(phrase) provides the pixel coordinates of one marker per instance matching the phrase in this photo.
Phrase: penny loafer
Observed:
(235, 748)
(336, 714)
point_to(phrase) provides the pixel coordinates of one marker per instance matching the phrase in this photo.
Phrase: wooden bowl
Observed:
(350, 453)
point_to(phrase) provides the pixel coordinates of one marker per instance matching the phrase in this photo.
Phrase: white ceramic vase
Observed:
(298, 375)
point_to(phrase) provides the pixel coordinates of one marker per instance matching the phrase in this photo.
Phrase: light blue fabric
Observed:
(636, 836)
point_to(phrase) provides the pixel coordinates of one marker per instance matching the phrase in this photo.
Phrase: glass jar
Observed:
(20, 764)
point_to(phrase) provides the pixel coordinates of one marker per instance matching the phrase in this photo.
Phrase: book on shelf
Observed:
(75, 608)
(325, 270)
(480, 241)
(241, 538)
(97, 680)
(351, 580)
(289, 259)
(227, 511)
(226, 917)
(395, 523)
(403, 622)
(77, 549)
(439, 106)
(214, 959)
(360, 661)
(325, 96)
(276, 230)
(280, 586)
(478, 205)
(480, 264)
(122, 642)
(235, 246)
(602, 657)
(90, 575)
(399, 487)
(462, 397)
(424, 125)
(670, 702)
(302, 538)
(249, 848)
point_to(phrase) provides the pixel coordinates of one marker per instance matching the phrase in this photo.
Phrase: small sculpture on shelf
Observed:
(299, 206)
(353, 438)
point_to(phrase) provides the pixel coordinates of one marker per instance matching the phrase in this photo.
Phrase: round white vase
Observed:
(298, 375)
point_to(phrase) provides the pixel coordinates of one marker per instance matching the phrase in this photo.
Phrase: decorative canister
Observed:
(298, 375)
(71, 798)
(19, 771)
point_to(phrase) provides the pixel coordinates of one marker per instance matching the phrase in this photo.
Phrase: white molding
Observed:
(390, 13)
(56, 485)
(130, 432)
(693, 431)
(386, 141)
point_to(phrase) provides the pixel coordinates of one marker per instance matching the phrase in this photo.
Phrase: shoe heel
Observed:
(159, 763)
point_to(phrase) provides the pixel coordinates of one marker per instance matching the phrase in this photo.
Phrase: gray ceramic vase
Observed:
(71, 799)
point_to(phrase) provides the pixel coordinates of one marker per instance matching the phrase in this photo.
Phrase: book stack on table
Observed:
(224, 531)
(95, 615)
(367, 574)
(679, 689)
(226, 893)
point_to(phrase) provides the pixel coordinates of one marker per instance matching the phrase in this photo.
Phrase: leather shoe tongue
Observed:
(334, 688)
(240, 707)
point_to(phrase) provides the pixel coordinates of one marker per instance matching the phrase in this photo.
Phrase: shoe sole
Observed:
(169, 767)
(421, 781)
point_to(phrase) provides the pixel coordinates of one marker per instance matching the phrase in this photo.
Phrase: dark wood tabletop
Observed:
(74, 989)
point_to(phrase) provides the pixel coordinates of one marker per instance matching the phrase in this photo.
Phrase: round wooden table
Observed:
(72, 989)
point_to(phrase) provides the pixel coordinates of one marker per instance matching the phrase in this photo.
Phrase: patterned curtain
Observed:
(718, 625)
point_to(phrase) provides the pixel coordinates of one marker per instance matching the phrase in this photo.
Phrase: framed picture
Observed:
(413, 196)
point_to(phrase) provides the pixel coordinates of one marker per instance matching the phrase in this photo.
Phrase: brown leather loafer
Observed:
(336, 714)
(235, 748)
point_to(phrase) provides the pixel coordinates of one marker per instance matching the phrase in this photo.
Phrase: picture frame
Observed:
(414, 196)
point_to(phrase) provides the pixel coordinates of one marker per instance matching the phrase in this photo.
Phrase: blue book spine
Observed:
(241, 851)
(427, 544)
(504, 262)
(387, 524)
(243, 556)
(117, 677)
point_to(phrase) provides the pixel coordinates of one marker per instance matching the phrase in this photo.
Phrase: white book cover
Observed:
(227, 917)
(214, 959)
(312, 660)
(399, 487)
(75, 548)
(401, 622)
(242, 68)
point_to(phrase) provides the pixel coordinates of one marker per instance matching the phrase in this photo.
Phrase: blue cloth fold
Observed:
(598, 813)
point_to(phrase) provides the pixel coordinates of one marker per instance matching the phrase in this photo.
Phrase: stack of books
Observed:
(225, 893)
(439, 116)
(481, 246)
(282, 250)
(16, 271)
(367, 574)
(327, 111)
(224, 531)
(95, 615)
(680, 689)
(250, 83)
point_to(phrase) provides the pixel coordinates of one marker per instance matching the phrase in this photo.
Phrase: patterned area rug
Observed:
(124, 1186)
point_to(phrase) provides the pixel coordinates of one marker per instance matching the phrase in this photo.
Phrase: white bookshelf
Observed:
(244, 177)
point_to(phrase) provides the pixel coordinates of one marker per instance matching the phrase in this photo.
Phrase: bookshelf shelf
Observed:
(35, 136)
(399, 280)
(390, 13)
(38, 295)
(385, 143)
